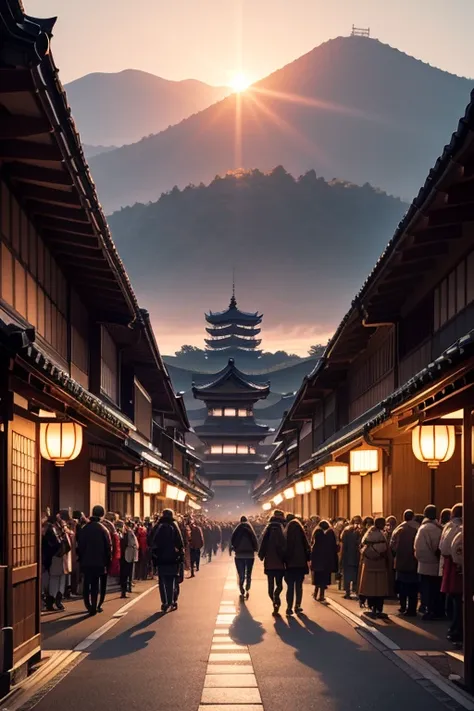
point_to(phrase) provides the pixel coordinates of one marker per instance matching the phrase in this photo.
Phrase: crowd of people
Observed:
(419, 560)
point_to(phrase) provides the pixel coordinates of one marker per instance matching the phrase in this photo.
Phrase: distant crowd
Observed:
(419, 559)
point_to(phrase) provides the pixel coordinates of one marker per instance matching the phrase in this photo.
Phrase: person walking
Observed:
(297, 557)
(61, 562)
(456, 630)
(272, 553)
(376, 568)
(405, 564)
(428, 554)
(324, 560)
(452, 581)
(350, 555)
(196, 542)
(244, 544)
(128, 558)
(95, 556)
(168, 551)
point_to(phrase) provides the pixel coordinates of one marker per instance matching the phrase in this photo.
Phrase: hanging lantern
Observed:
(289, 493)
(433, 444)
(151, 485)
(318, 480)
(171, 492)
(300, 487)
(267, 506)
(277, 499)
(60, 442)
(181, 495)
(364, 460)
(308, 486)
(336, 474)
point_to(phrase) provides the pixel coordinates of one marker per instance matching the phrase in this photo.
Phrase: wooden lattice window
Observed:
(24, 498)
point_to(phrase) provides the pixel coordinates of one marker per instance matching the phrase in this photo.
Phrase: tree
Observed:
(317, 350)
(188, 350)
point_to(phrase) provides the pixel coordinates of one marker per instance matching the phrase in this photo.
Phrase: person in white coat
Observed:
(427, 554)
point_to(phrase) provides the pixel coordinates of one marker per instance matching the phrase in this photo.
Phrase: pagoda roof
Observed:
(233, 341)
(234, 315)
(231, 429)
(231, 376)
(233, 329)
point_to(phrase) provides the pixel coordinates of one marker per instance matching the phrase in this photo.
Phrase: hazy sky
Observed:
(212, 40)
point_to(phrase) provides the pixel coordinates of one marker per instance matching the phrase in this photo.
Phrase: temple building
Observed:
(233, 334)
(233, 454)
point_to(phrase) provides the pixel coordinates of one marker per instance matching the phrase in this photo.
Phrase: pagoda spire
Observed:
(233, 300)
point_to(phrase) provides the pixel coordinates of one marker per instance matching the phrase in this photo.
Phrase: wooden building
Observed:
(75, 348)
(402, 359)
(230, 433)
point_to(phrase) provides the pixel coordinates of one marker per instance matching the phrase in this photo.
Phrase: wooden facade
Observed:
(74, 344)
(403, 356)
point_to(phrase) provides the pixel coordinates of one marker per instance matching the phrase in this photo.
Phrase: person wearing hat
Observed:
(95, 555)
(168, 552)
(272, 552)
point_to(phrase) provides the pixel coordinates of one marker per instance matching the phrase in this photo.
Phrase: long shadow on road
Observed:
(130, 641)
(245, 629)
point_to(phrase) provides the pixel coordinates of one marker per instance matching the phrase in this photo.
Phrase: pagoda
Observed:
(230, 433)
(233, 333)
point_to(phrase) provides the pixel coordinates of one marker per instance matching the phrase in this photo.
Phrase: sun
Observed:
(239, 83)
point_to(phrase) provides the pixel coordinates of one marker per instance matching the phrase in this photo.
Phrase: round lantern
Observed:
(336, 474)
(289, 493)
(364, 461)
(433, 444)
(151, 485)
(277, 499)
(318, 480)
(300, 487)
(267, 507)
(60, 442)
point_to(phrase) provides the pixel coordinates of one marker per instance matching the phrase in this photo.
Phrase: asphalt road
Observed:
(156, 662)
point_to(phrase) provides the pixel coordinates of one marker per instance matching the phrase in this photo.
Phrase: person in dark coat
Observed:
(272, 552)
(95, 555)
(350, 555)
(196, 542)
(298, 554)
(405, 564)
(244, 544)
(324, 560)
(168, 551)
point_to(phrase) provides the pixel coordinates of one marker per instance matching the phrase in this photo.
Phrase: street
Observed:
(205, 654)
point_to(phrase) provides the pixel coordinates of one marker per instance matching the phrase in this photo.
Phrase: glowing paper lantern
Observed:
(60, 442)
(171, 492)
(336, 474)
(364, 460)
(181, 495)
(289, 493)
(318, 480)
(277, 499)
(308, 486)
(267, 507)
(300, 487)
(433, 444)
(151, 485)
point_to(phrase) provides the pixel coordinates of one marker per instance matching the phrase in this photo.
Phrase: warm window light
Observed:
(277, 499)
(336, 474)
(60, 442)
(171, 492)
(181, 495)
(318, 480)
(289, 493)
(267, 507)
(193, 505)
(433, 444)
(308, 486)
(300, 487)
(364, 460)
(151, 485)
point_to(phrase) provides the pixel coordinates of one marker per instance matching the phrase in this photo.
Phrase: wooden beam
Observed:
(15, 80)
(417, 254)
(61, 197)
(72, 252)
(461, 193)
(111, 289)
(23, 126)
(404, 270)
(27, 150)
(47, 209)
(68, 226)
(55, 238)
(437, 234)
(453, 215)
(34, 173)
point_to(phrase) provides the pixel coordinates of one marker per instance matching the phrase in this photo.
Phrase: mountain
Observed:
(122, 107)
(300, 249)
(92, 151)
(353, 108)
